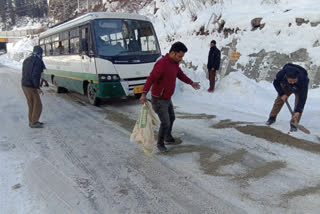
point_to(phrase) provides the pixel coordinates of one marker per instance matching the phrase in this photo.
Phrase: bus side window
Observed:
(64, 43)
(42, 45)
(44, 49)
(85, 40)
(48, 46)
(56, 50)
(74, 45)
(60, 48)
(55, 44)
(48, 50)
(74, 41)
(84, 45)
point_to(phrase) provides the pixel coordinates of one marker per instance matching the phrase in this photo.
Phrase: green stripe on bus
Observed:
(70, 74)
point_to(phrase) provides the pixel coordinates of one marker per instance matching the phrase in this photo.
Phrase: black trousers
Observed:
(165, 112)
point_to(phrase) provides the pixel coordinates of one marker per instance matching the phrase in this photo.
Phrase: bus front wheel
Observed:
(91, 95)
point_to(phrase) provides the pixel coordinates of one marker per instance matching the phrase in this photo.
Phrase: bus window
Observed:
(48, 50)
(44, 49)
(55, 44)
(64, 47)
(48, 46)
(85, 40)
(74, 45)
(125, 37)
(56, 48)
(74, 41)
(41, 43)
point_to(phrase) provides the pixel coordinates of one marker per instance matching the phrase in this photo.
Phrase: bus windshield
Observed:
(116, 37)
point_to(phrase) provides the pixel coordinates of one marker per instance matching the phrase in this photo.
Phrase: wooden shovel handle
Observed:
(296, 124)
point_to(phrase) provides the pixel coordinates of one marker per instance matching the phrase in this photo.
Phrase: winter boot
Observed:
(36, 125)
(271, 120)
(162, 148)
(170, 140)
(293, 128)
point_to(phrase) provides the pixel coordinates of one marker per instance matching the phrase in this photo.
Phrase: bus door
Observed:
(86, 53)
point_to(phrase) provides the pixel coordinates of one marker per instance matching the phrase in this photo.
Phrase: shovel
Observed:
(296, 124)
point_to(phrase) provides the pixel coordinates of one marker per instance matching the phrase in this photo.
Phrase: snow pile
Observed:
(22, 49)
(17, 52)
(7, 61)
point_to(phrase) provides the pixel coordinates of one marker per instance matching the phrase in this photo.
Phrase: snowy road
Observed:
(83, 162)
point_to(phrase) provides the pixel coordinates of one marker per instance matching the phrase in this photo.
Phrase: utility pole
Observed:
(88, 6)
(78, 6)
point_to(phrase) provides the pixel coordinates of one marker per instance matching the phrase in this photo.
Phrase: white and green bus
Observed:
(100, 54)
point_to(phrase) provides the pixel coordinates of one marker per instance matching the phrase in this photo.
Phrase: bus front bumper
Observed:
(108, 89)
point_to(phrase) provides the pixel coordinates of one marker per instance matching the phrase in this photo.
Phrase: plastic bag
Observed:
(143, 130)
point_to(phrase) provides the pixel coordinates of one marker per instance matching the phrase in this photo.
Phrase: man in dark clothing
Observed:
(163, 82)
(291, 79)
(213, 64)
(32, 68)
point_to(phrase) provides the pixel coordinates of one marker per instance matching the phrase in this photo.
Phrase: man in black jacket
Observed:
(32, 68)
(291, 79)
(213, 64)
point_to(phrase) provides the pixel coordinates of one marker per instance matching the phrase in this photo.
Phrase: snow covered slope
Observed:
(289, 32)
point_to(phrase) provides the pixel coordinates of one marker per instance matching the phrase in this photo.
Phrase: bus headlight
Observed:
(115, 78)
(108, 77)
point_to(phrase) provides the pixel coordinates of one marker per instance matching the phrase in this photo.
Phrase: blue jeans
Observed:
(165, 112)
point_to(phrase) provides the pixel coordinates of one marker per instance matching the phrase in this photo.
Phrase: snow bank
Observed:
(20, 50)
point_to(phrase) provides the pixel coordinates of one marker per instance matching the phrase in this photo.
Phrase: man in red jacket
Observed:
(163, 82)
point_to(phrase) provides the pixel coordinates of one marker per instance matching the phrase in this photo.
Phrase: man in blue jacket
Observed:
(213, 64)
(291, 79)
(32, 68)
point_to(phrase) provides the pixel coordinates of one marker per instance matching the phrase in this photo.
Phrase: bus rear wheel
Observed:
(93, 100)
